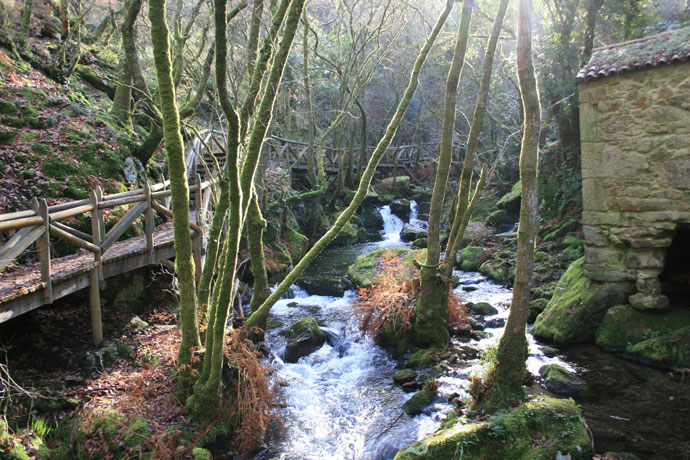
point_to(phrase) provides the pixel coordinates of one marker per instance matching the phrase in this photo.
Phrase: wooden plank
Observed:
(78, 242)
(73, 231)
(121, 227)
(96, 230)
(43, 247)
(70, 205)
(168, 213)
(18, 244)
(149, 223)
(95, 307)
(107, 204)
(61, 215)
(16, 215)
(16, 224)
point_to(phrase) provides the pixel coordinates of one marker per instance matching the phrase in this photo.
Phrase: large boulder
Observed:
(544, 428)
(472, 257)
(371, 218)
(493, 269)
(297, 243)
(325, 285)
(392, 188)
(510, 202)
(365, 270)
(501, 220)
(624, 326)
(401, 208)
(411, 232)
(669, 350)
(371, 198)
(418, 402)
(559, 380)
(303, 337)
(577, 307)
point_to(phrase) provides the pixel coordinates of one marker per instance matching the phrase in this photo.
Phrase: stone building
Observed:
(635, 132)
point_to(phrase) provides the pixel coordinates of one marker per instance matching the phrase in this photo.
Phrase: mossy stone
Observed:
(493, 270)
(298, 244)
(421, 358)
(536, 306)
(364, 271)
(348, 235)
(304, 337)
(472, 257)
(510, 202)
(501, 220)
(577, 307)
(483, 308)
(420, 243)
(404, 376)
(541, 429)
(560, 380)
(672, 349)
(624, 326)
(371, 218)
(418, 402)
(199, 453)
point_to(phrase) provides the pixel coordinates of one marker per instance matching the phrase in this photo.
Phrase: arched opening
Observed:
(675, 279)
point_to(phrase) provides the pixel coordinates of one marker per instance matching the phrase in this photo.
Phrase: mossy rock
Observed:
(420, 243)
(304, 337)
(421, 358)
(324, 285)
(577, 307)
(371, 218)
(199, 453)
(404, 376)
(394, 188)
(501, 220)
(483, 308)
(541, 429)
(364, 271)
(624, 326)
(540, 256)
(348, 235)
(297, 243)
(560, 380)
(554, 234)
(401, 208)
(493, 269)
(672, 349)
(418, 402)
(510, 202)
(536, 306)
(472, 257)
(371, 198)
(574, 242)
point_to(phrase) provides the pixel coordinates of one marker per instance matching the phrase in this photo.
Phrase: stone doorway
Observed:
(675, 278)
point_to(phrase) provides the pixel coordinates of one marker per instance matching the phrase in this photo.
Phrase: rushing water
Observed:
(341, 402)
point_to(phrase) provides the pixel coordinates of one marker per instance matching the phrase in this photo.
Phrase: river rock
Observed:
(304, 337)
(501, 220)
(536, 306)
(411, 232)
(371, 218)
(401, 208)
(493, 269)
(476, 324)
(404, 376)
(327, 286)
(418, 402)
(482, 308)
(392, 188)
(670, 350)
(420, 243)
(510, 202)
(472, 257)
(624, 326)
(559, 380)
(496, 323)
(577, 307)
(555, 424)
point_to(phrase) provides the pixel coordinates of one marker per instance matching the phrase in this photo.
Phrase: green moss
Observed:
(510, 202)
(624, 326)
(418, 401)
(671, 349)
(472, 257)
(42, 149)
(420, 243)
(574, 241)
(348, 235)
(423, 357)
(7, 137)
(7, 108)
(364, 271)
(577, 307)
(137, 431)
(493, 269)
(297, 243)
(539, 429)
(199, 453)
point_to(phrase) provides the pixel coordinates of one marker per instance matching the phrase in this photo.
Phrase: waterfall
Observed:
(392, 225)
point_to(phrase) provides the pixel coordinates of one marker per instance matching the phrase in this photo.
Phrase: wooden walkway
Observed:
(102, 254)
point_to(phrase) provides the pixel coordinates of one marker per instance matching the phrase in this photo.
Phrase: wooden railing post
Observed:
(149, 224)
(43, 249)
(95, 305)
(97, 229)
(198, 241)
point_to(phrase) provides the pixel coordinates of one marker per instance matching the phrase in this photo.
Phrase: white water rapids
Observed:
(341, 402)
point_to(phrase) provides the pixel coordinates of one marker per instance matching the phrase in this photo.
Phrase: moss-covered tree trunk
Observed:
(430, 310)
(509, 369)
(24, 28)
(462, 198)
(129, 64)
(260, 315)
(184, 262)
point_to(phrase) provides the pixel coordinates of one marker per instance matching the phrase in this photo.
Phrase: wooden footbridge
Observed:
(106, 252)
(103, 252)
(292, 154)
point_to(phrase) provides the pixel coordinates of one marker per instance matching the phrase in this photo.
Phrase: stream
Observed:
(341, 403)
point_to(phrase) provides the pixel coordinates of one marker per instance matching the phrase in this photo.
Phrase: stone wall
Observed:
(635, 132)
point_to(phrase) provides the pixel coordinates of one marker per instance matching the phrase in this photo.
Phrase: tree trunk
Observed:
(184, 262)
(509, 371)
(24, 29)
(593, 8)
(462, 197)
(260, 315)
(430, 310)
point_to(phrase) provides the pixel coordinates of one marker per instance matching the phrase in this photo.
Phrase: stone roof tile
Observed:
(664, 48)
